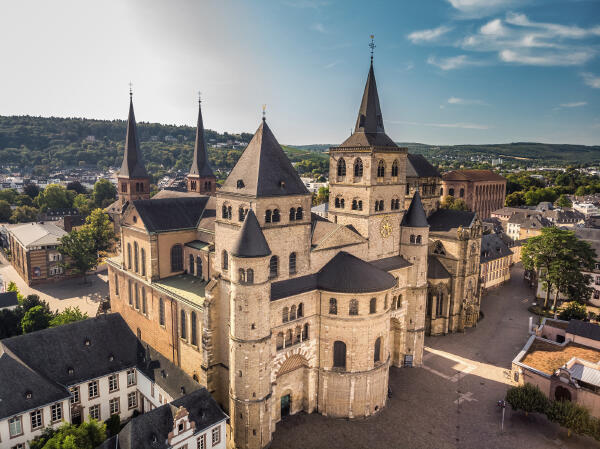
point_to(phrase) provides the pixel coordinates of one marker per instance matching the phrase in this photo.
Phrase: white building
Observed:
(93, 368)
(586, 208)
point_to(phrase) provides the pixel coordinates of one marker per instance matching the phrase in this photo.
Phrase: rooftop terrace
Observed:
(547, 357)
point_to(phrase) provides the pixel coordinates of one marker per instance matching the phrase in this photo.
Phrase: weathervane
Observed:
(264, 108)
(372, 46)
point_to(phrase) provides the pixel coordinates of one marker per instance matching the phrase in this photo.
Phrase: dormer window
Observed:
(28, 394)
(70, 370)
(87, 342)
(281, 184)
(361, 121)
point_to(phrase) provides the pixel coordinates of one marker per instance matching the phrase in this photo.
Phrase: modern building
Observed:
(563, 359)
(277, 310)
(482, 190)
(496, 259)
(93, 368)
(34, 252)
(587, 209)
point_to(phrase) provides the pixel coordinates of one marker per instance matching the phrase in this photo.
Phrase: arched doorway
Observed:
(286, 405)
(562, 394)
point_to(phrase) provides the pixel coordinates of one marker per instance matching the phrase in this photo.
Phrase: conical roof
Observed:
(415, 215)
(200, 165)
(369, 130)
(251, 241)
(263, 169)
(132, 166)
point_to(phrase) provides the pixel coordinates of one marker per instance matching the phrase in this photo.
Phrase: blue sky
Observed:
(448, 71)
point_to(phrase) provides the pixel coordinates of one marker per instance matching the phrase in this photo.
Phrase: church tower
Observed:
(201, 178)
(367, 178)
(133, 180)
(250, 338)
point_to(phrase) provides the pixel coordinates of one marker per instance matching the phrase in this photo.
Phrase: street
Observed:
(451, 401)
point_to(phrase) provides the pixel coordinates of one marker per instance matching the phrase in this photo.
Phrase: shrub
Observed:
(574, 311)
(572, 416)
(113, 425)
(528, 398)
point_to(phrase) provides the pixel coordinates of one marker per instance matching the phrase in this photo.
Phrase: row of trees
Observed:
(33, 314)
(575, 418)
(559, 258)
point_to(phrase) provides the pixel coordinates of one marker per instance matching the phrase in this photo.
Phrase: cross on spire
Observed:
(130, 89)
(372, 46)
(199, 97)
(264, 112)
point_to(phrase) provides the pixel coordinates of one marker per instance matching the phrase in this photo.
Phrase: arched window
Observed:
(399, 301)
(339, 354)
(191, 267)
(297, 334)
(293, 263)
(250, 276)
(337, 202)
(373, 305)
(440, 303)
(292, 313)
(285, 315)
(353, 309)
(359, 204)
(299, 213)
(305, 334)
(288, 337)
(129, 256)
(462, 193)
(381, 206)
(130, 293)
(354, 205)
(224, 211)
(224, 260)
(376, 206)
(380, 169)
(137, 297)
(300, 310)
(143, 261)
(199, 267)
(144, 302)
(429, 304)
(268, 215)
(358, 168)
(377, 351)
(342, 203)
(412, 238)
(241, 214)
(394, 302)
(241, 275)
(276, 218)
(161, 312)
(176, 258)
(418, 239)
(451, 192)
(194, 329)
(332, 306)
(229, 212)
(341, 167)
(395, 168)
(136, 261)
(273, 267)
(279, 341)
(292, 214)
(183, 325)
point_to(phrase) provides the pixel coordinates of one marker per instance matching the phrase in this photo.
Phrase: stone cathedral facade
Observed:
(276, 310)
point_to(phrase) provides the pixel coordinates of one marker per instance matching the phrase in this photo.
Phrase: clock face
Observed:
(385, 228)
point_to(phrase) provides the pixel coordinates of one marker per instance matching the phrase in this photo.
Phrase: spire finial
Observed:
(130, 90)
(264, 109)
(199, 97)
(372, 46)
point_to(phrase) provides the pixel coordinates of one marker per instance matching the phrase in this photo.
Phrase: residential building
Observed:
(522, 226)
(482, 190)
(587, 209)
(322, 210)
(34, 252)
(496, 259)
(562, 359)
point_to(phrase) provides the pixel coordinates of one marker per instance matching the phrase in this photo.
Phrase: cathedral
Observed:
(276, 310)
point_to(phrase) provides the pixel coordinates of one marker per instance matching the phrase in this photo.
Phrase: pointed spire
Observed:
(415, 215)
(251, 241)
(200, 165)
(133, 166)
(369, 118)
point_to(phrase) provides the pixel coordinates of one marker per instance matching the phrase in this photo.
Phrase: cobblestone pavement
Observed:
(451, 401)
(68, 293)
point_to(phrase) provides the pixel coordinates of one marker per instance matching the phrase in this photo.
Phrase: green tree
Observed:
(23, 200)
(79, 252)
(24, 214)
(76, 187)
(564, 201)
(54, 196)
(528, 398)
(35, 319)
(10, 323)
(83, 204)
(87, 435)
(572, 416)
(69, 315)
(450, 202)
(113, 424)
(31, 190)
(9, 195)
(322, 196)
(100, 230)
(515, 199)
(574, 311)
(5, 211)
(104, 193)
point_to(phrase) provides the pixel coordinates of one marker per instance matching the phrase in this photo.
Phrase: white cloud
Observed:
(456, 100)
(563, 58)
(332, 64)
(494, 28)
(553, 29)
(574, 104)
(452, 62)
(591, 80)
(428, 35)
(443, 125)
(480, 8)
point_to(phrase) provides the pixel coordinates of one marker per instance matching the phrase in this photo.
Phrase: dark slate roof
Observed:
(16, 380)
(415, 215)
(584, 329)
(8, 299)
(419, 167)
(493, 247)
(200, 165)
(435, 269)
(360, 139)
(472, 175)
(391, 263)
(133, 165)
(54, 352)
(151, 429)
(344, 273)
(263, 169)
(169, 214)
(447, 219)
(251, 241)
